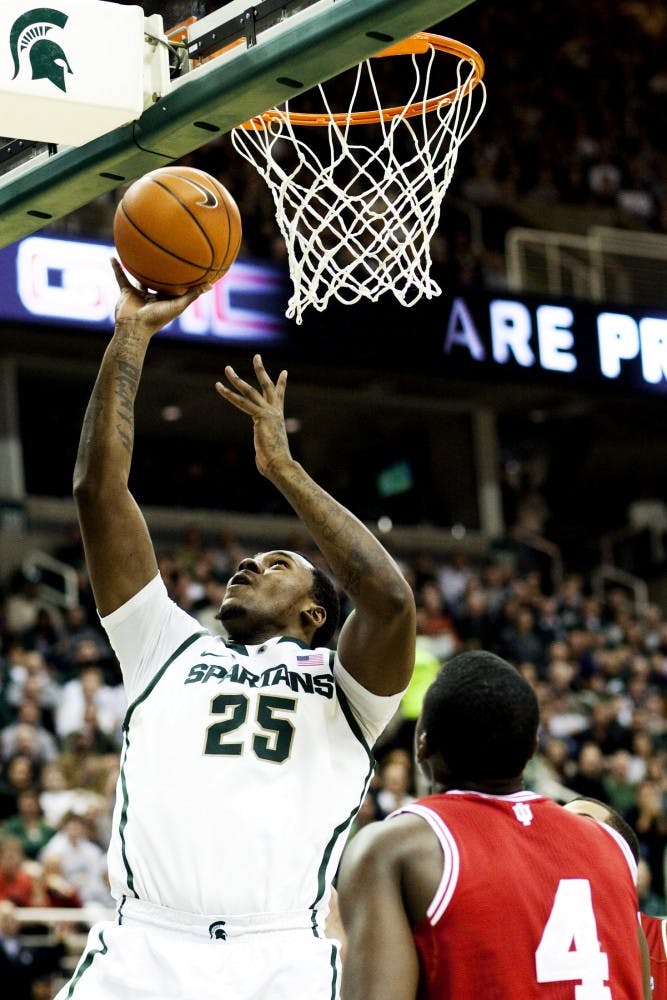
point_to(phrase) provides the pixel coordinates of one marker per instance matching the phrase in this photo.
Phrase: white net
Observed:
(357, 205)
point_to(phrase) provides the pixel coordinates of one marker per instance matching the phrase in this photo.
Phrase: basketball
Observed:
(175, 228)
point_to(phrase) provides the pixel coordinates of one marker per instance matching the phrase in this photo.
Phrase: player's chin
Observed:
(230, 608)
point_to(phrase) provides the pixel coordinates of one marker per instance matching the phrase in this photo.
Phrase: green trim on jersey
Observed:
(123, 818)
(160, 673)
(297, 642)
(352, 722)
(238, 647)
(126, 732)
(328, 850)
(86, 963)
(346, 823)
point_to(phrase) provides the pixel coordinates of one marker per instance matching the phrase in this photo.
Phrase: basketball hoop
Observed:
(358, 218)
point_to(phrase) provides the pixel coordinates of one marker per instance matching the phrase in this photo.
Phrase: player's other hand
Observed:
(266, 406)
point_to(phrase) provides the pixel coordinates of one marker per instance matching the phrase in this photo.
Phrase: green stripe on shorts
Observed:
(334, 966)
(86, 963)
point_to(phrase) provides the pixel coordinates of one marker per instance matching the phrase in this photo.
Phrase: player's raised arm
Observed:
(119, 552)
(377, 641)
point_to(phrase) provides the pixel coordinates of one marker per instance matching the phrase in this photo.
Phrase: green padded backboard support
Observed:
(216, 98)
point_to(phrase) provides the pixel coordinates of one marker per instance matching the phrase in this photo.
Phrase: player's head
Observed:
(478, 723)
(602, 813)
(280, 593)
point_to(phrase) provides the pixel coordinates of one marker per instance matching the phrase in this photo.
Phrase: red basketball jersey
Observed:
(655, 929)
(534, 904)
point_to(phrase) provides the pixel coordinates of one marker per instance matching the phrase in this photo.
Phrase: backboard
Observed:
(225, 68)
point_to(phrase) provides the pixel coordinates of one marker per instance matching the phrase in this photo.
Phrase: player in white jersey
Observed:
(244, 761)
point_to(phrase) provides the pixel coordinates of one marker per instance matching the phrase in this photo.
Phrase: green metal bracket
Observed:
(210, 102)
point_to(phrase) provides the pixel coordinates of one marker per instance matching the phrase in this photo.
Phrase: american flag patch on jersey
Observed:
(311, 659)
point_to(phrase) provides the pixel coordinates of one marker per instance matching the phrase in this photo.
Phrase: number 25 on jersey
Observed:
(274, 734)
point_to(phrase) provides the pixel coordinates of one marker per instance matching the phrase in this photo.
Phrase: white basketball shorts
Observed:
(156, 954)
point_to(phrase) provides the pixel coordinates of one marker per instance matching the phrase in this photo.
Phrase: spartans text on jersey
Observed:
(322, 684)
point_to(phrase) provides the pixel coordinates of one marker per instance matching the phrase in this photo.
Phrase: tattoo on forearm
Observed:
(127, 382)
(331, 527)
(109, 416)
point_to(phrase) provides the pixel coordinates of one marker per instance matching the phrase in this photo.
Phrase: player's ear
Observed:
(314, 616)
(422, 751)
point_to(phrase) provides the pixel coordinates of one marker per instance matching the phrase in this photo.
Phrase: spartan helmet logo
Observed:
(47, 59)
(217, 931)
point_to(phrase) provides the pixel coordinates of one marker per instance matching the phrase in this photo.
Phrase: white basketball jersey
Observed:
(242, 766)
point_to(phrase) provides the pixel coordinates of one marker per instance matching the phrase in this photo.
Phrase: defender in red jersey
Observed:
(655, 930)
(652, 930)
(486, 891)
(602, 813)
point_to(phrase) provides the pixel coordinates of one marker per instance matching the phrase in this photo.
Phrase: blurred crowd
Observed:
(598, 665)
(580, 89)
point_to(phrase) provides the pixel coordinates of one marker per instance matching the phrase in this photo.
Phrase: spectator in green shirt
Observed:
(28, 824)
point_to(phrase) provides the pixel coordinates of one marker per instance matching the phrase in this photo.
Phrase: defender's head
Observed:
(478, 723)
(280, 593)
(602, 813)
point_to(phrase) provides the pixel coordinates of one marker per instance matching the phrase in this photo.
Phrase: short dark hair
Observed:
(616, 822)
(482, 716)
(324, 592)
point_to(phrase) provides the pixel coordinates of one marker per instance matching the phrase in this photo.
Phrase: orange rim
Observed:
(414, 45)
